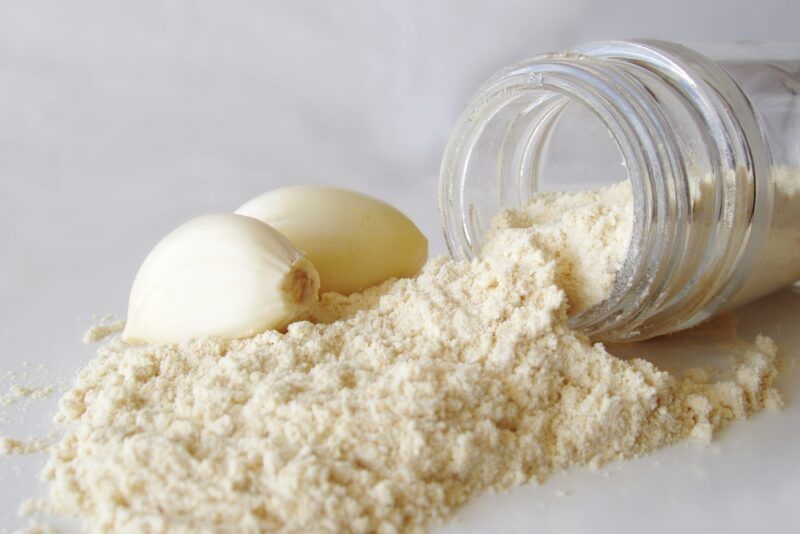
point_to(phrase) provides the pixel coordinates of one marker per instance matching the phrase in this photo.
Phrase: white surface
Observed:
(118, 121)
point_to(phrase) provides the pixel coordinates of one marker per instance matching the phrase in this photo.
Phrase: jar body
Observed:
(769, 76)
(710, 146)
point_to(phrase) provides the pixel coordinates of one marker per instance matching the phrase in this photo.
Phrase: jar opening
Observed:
(576, 150)
(549, 124)
(526, 138)
(599, 114)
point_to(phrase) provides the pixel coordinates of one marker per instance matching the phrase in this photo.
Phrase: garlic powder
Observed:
(414, 397)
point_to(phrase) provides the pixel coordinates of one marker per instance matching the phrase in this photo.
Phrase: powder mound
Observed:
(421, 395)
(105, 327)
(586, 232)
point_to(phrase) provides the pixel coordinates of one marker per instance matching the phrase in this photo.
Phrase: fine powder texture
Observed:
(9, 446)
(586, 232)
(105, 327)
(386, 412)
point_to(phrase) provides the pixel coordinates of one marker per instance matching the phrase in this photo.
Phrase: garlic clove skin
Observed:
(355, 241)
(221, 275)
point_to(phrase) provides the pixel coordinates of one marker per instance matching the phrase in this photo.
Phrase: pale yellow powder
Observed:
(586, 232)
(105, 327)
(13, 446)
(416, 396)
(19, 392)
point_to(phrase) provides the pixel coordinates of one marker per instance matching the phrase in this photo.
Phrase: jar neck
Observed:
(683, 130)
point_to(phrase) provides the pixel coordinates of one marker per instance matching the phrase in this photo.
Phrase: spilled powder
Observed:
(19, 392)
(105, 327)
(22, 397)
(14, 446)
(416, 396)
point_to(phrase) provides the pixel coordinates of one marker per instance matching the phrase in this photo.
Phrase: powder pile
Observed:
(585, 232)
(414, 397)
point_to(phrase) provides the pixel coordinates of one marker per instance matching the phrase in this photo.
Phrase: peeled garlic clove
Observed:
(220, 275)
(355, 241)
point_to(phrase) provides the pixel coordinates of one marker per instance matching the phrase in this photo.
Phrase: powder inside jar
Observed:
(586, 232)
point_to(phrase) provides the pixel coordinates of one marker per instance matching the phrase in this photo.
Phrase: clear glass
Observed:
(710, 143)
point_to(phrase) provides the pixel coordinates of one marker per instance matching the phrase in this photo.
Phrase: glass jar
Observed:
(711, 147)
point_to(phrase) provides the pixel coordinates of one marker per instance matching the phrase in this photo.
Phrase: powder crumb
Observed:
(19, 447)
(18, 392)
(7, 445)
(105, 327)
(393, 408)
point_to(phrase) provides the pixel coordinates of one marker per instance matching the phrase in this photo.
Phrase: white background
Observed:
(120, 120)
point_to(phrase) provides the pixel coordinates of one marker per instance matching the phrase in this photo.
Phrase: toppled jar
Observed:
(709, 141)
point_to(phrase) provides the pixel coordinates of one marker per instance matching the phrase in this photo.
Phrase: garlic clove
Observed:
(221, 275)
(355, 241)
